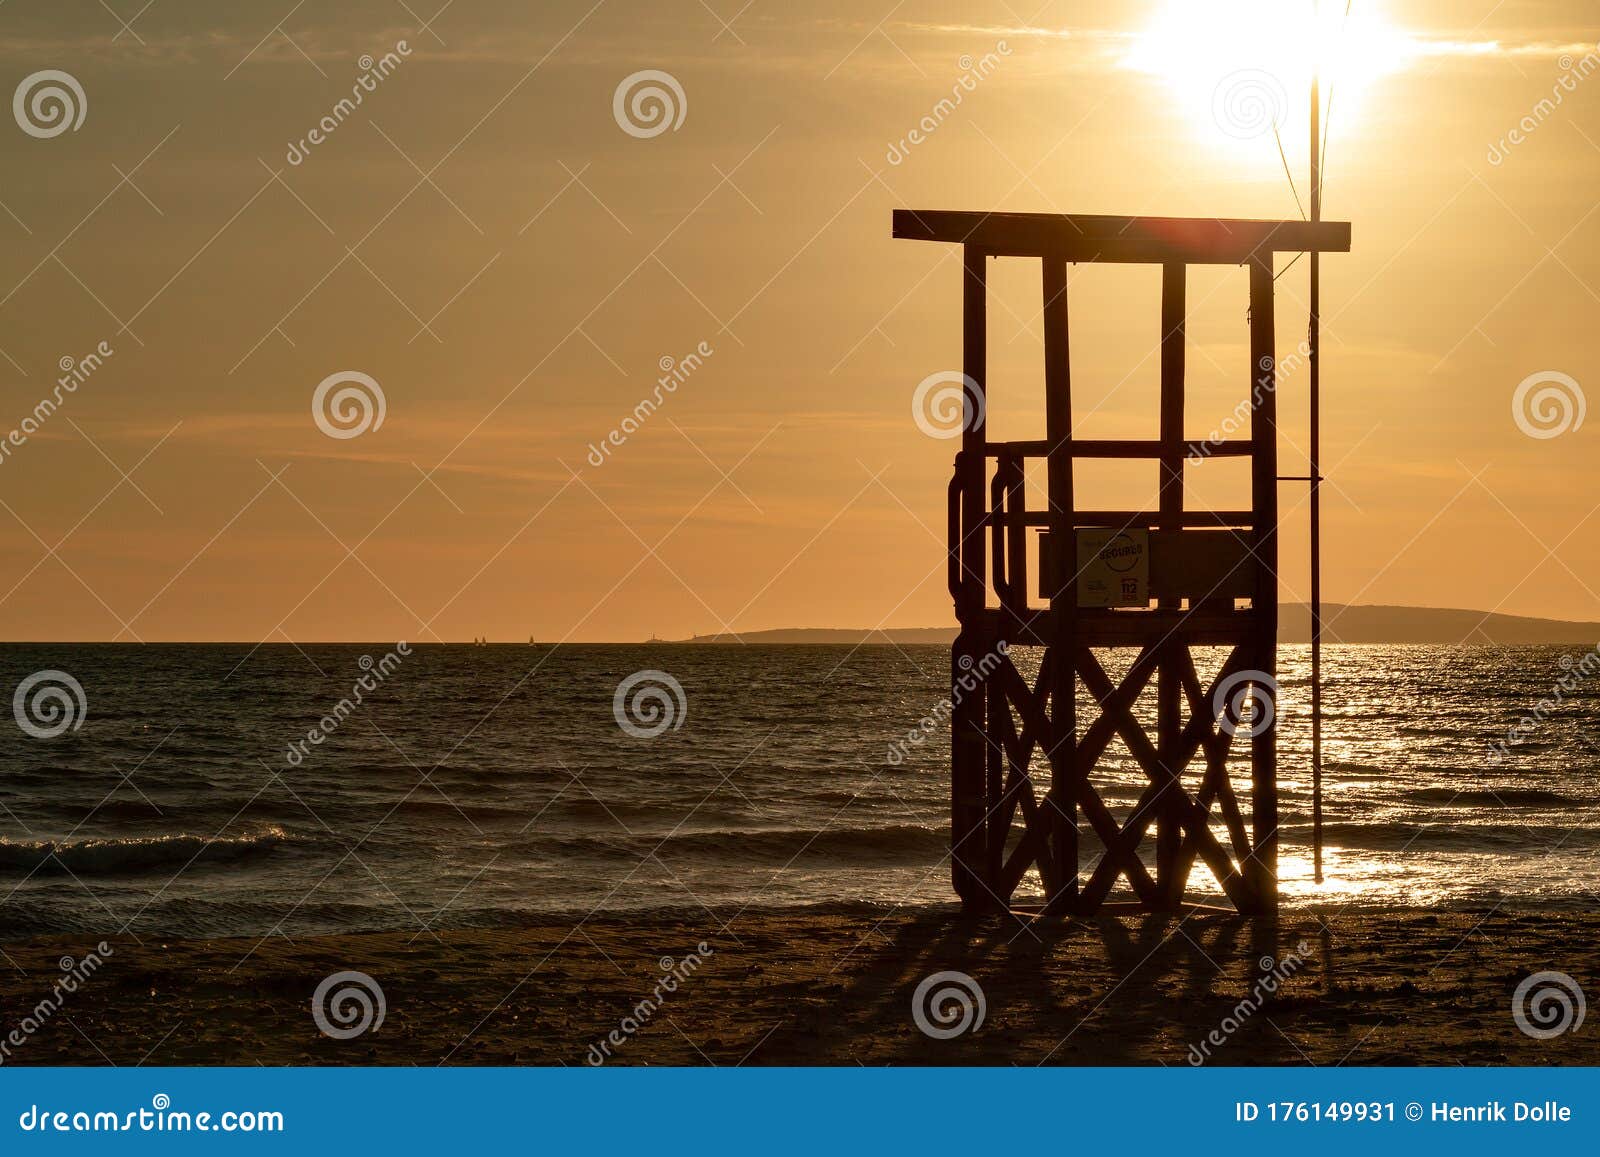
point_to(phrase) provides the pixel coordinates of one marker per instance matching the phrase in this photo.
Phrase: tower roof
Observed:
(1093, 237)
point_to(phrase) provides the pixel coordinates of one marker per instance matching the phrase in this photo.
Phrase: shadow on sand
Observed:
(1112, 990)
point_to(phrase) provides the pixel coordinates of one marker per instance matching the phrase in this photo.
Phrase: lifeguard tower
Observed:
(1162, 581)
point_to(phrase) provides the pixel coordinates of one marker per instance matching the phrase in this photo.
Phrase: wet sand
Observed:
(832, 987)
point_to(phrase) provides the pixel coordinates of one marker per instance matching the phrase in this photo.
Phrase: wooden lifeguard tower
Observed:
(1163, 581)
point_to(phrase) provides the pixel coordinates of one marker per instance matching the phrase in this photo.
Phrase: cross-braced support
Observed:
(1013, 826)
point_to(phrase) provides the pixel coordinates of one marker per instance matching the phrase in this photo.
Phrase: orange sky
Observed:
(483, 239)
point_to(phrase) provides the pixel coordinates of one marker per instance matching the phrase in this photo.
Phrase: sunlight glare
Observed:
(1241, 67)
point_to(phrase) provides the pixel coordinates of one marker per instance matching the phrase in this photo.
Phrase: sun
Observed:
(1242, 68)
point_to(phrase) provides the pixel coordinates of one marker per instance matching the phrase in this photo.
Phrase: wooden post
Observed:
(969, 748)
(1169, 692)
(1017, 535)
(996, 819)
(1173, 310)
(1061, 743)
(1262, 869)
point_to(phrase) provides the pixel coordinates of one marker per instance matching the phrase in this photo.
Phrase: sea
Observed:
(237, 790)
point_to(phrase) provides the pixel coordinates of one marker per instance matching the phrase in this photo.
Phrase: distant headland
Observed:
(1342, 624)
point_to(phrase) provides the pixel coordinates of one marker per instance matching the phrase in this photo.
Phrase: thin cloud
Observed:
(1113, 43)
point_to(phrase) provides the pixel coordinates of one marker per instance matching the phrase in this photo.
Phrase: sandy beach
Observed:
(825, 987)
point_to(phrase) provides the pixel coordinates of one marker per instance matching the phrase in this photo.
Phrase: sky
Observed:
(511, 255)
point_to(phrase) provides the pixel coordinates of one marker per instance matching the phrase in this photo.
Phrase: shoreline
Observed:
(834, 986)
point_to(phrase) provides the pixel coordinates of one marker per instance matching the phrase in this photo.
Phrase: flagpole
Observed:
(1313, 342)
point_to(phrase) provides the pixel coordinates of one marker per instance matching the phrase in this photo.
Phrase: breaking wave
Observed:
(95, 857)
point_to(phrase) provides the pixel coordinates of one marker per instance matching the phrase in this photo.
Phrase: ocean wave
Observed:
(450, 809)
(97, 857)
(1368, 769)
(889, 844)
(1502, 839)
(596, 810)
(1492, 797)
